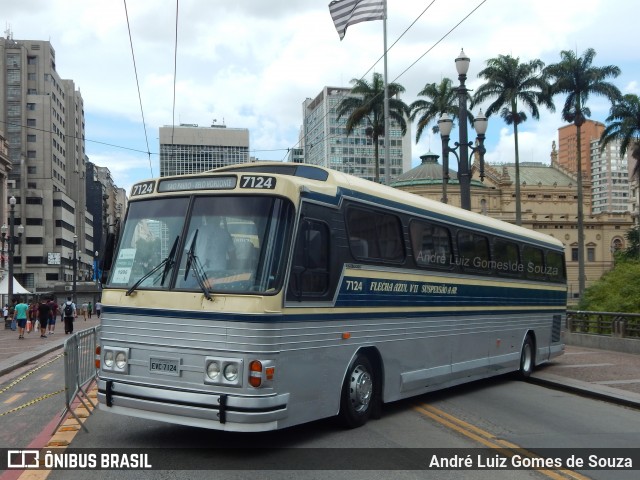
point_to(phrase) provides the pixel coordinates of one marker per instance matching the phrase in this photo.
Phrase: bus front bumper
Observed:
(209, 410)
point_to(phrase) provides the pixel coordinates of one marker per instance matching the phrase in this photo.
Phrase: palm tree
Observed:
(442, 98)
(511, 82)
(624, 125)
(578, 79)
(365, 107)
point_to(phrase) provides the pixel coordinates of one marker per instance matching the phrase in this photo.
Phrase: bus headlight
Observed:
(108, 358)
(223, 371)
(115, 359)
(121, 360)
(231, 372)
(213, 370)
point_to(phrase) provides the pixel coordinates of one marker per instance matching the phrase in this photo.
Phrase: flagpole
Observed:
(387, 142)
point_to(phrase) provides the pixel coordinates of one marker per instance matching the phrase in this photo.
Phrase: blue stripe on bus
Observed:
(358, 291)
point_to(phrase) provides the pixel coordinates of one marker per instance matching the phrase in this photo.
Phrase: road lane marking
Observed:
(31, 372)
(31, 402)
(47, 376)
(13, 398)
(488, 439)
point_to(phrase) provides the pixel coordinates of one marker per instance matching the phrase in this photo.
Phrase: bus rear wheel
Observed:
(527, 358)
(357, 398)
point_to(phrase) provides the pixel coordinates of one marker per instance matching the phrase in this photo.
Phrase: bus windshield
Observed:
(204, 243)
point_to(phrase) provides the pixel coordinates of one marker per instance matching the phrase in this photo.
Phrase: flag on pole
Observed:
(350, 12)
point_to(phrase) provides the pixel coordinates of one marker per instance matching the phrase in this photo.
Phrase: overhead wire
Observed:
(175, 76)
(135, 69)
(286, 150)
(410, 66)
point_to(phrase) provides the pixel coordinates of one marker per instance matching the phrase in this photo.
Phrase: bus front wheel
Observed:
(358, 392)
(527, 358)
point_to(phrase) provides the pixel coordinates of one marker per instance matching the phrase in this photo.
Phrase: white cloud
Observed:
(252, 63)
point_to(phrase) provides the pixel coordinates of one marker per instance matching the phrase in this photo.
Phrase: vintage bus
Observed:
(259, 296)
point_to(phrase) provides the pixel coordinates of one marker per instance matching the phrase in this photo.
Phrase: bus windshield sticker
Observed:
(197, 183)
(257, 181)
(124, 264)
(143, 188)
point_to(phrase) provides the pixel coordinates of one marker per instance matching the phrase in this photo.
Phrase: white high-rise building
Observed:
(610, 179)
(325, 142)
(189, 148)
(42, 118)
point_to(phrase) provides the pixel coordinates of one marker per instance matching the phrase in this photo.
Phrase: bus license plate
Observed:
(165, 366)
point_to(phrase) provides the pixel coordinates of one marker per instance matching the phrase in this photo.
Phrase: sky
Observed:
(252, 63)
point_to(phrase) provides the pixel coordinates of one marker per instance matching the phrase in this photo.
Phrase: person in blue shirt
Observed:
(20, 313)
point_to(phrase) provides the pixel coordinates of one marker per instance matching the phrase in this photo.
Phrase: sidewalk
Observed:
(604, 374)
(15, 353)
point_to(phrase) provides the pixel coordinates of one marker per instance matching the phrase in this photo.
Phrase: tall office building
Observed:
(189, 148)
(325, 141)
(42, 119)
(568, 143)
(609, 179)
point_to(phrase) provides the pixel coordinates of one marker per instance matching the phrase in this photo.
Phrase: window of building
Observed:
(31, 138)
(591, 254)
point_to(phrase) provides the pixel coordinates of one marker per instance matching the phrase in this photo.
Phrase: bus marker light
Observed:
(269, 372)
(255, 373)
(97, 358)
(346, 335)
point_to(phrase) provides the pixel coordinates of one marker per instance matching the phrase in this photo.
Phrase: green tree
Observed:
(578, 79)
(512, 83)
(616, 291)
(441, 98)
(624, 125)
(365, 108)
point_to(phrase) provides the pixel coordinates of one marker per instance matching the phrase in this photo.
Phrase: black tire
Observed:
(527, 358)
(359, 391)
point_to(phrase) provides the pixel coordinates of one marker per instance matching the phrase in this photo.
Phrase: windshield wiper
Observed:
(167, 263)
(198, 269)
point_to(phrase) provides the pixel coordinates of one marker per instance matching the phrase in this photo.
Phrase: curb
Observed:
(586, 389)
(20, 360)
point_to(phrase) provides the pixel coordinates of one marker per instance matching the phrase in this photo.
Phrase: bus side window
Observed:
(310, 269)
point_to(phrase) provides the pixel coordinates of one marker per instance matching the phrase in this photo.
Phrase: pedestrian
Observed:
(44, 311)
(69, 312)
(12, 314)
(89, 309)
(20, 314)
(98, 308)
(52, 318)
(83, 309)
(5, 314)
(32, 316)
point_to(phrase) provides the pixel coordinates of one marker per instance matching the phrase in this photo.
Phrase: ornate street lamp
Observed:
(4, 229)
(445, 124)
(11, 243)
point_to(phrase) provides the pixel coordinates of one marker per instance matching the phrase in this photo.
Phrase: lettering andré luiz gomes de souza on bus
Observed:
(485, 264)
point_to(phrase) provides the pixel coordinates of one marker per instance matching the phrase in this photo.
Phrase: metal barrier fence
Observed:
(79, 370)
(615, 324)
